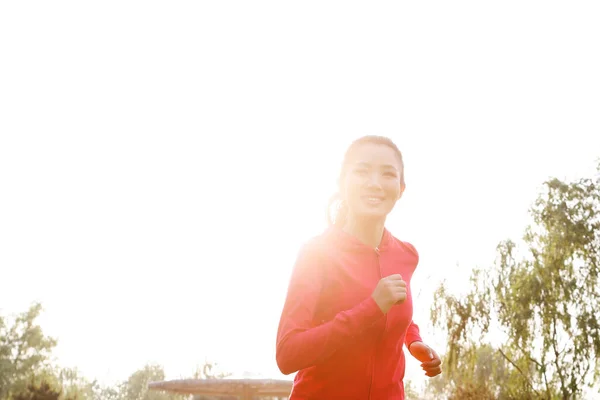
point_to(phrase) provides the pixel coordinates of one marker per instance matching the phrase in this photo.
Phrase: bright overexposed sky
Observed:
(161, 163)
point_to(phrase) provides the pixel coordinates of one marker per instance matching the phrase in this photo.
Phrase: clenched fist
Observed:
(389, 291)
(431, 362)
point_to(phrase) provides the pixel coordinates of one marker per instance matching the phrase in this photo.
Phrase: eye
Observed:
(360, 171)
(390, 174)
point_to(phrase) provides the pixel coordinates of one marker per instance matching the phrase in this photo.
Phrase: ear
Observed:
(402, 187)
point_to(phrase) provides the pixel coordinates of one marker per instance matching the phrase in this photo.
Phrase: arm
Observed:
(412, 334)
(301, 344)
(431, 362)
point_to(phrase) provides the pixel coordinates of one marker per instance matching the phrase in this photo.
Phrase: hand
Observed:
(389, 291)
(430, 361)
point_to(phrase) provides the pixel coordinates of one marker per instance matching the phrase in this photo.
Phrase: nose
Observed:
(373, 181)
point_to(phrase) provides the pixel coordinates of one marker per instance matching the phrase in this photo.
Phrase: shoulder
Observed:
(313, 246)
(310, 255)
(405, 247)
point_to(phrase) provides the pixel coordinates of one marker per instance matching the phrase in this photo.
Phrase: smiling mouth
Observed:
(374, 200)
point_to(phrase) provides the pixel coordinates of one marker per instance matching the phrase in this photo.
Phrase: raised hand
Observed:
(389, 291)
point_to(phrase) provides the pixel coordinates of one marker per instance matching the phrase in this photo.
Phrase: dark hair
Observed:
(337, 209)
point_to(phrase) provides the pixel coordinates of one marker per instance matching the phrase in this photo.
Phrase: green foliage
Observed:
(27, 373)
(24, 349)
(136, 386)
(544, 302)
(470, 391)
(42, 391)
(463, 317)
(410, 391)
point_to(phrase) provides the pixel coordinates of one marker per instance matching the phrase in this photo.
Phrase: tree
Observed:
(24, 349)
(543, 301)
(27, 373)
(478, 373)
(410, 391)
(136, 386)
(471, 391)
(26, 369)
(42, 391)
(76, 386)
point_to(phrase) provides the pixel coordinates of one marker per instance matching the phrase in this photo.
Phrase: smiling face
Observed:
(372, 181)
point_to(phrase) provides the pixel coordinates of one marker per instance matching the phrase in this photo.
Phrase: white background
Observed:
(161, 163)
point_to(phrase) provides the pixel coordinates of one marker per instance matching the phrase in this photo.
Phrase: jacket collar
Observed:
(351, 243)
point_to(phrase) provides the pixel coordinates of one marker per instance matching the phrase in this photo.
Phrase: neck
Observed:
(368, 231)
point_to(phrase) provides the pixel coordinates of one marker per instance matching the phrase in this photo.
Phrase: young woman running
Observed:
(348, 311)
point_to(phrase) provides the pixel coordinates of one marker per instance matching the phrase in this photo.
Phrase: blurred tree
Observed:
(24, 349)
(41, 391)
(27, 373)
(410, 391)
(136, 386)
(544, 302)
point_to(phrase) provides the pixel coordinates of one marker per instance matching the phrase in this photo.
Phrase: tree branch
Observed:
(529, 356)
(581, 382)
(520, 371)
(563, 388)
(538, 363)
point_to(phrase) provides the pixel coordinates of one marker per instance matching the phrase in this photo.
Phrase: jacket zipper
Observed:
(375, 351)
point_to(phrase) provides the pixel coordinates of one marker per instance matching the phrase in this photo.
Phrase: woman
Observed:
(348, 310)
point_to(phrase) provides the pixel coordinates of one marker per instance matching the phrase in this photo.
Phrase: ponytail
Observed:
(337, 210)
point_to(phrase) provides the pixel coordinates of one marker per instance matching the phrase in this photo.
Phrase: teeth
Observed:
(373, 199)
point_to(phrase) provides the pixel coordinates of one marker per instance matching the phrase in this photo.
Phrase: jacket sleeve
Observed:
(412, 334)
(301, 343)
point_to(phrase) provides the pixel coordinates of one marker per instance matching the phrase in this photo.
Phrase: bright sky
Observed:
(161, 163)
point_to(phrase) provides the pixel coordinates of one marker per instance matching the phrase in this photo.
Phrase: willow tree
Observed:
(541, 298)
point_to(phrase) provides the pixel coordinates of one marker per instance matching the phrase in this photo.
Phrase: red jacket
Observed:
(332, 331)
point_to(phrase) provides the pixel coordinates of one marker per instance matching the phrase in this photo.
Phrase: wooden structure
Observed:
(244, 389)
